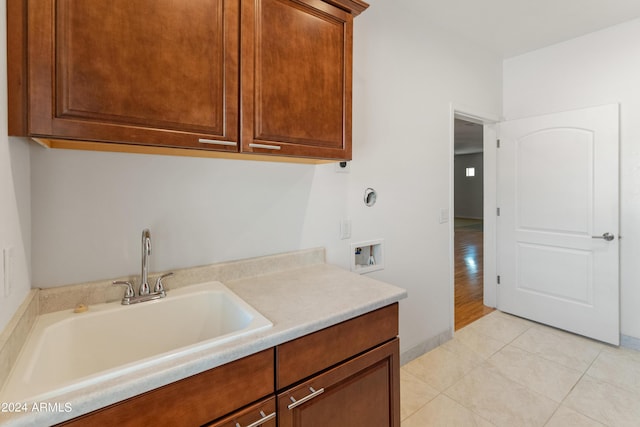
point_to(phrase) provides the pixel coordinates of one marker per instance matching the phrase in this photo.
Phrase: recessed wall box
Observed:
(367, 256)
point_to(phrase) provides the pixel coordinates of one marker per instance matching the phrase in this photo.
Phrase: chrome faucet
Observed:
(144, 292)
(146, 251)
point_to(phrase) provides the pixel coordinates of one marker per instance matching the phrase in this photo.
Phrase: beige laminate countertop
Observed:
(297, 301)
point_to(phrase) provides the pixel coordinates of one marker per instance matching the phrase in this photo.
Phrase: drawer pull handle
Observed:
(268, 147)
(214, 142)
(262, 420)
(307, 398)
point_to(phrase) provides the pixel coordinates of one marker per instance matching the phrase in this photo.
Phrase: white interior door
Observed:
(557, 229)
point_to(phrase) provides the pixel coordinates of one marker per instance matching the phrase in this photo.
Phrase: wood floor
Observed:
(468, 274)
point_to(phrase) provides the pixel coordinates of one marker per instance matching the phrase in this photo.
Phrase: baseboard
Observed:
(625, 341)
(424, 347)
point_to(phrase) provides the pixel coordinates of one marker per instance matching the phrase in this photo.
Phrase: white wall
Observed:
(406, 75)
(15, 227)
(599, 68)
(89, 209)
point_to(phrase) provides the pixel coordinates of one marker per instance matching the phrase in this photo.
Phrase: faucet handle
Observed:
(128, 293)
(158, 287)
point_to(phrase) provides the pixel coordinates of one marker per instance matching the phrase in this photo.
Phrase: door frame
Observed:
(489, 122)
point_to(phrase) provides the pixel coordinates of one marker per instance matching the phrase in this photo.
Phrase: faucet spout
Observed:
(146, 251)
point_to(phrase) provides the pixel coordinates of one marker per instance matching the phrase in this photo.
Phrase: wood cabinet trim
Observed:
(355, 7)
(17, 67)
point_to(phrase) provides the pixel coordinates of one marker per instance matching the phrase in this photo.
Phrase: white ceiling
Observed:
(467, 137)
(513, 27)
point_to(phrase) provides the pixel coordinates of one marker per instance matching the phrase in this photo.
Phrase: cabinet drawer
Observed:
(313, 353)
(193, 401)
(363, 392)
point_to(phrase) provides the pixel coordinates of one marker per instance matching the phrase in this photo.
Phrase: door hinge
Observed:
(498, 279)
(498, 211)
(498, 143)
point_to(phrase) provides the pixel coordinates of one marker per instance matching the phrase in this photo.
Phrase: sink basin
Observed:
(66, 350)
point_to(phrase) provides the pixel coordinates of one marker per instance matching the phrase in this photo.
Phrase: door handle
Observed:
(606, 236)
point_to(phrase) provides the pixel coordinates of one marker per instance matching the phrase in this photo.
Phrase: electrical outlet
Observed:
(345, 229)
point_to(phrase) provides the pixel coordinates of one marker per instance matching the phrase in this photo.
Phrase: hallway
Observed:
(468, 272)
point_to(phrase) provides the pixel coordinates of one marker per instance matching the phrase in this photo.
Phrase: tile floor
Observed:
(505, 371)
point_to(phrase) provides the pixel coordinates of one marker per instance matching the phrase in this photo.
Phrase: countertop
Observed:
(297, 301)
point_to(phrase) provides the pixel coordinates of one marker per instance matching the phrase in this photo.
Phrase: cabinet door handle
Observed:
(262, 420)
(214, 142)
(268, 147)
(307, 398)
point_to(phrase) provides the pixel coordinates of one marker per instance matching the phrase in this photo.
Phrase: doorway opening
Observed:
(468, 227)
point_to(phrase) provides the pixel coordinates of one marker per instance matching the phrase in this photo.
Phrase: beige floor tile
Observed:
(503, 402)
(414, 393)
(444, 412)
(501, 327)
(469, 339)
(618, 366)
(605, 402)
(564, 348)
(540, 375)
(565, 417)
(440, 368)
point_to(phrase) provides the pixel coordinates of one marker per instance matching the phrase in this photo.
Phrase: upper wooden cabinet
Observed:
(296, 78)
(250, 76)
(153, 72)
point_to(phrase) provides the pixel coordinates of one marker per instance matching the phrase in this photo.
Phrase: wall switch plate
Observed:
(345, 229)
(444, 215)
(7, 263)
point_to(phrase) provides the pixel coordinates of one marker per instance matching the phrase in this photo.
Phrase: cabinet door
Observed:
(363, 392)
(152, 72)
(261, 414)
(296, 78)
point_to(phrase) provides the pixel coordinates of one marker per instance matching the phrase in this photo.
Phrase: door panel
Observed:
(554, 177)
(147, 72)
(362, 392)
(557, 190)
(296, 78)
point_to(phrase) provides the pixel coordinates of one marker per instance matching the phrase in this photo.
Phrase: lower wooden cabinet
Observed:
(362, 392)
(346, 375)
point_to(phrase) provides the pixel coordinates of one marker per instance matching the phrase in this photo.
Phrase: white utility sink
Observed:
(67, 350)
